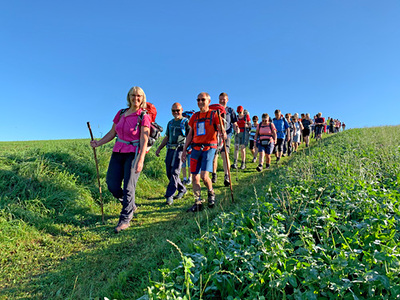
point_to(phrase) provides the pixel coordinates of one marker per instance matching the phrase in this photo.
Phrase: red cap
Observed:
(239, 109)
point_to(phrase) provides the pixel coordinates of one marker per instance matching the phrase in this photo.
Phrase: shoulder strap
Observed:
(121, 112)
(183, 123)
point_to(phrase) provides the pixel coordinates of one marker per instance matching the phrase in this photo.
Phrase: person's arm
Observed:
(235, 127)
(144, 137)
(162, 145)
(257, 133)
(221, 132)
(189, 138)
(108, 137)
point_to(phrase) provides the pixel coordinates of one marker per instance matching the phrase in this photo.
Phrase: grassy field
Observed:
(334, 206)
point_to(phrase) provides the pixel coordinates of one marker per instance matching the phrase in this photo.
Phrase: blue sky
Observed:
(64, 63)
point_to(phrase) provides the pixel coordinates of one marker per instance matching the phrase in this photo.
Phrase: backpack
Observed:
(155, 129)
(188, 114)
(182, 126)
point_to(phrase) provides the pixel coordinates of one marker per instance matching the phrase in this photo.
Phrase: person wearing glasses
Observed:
(230, 123)
(128, 154)
(204, 127)
(175, 137)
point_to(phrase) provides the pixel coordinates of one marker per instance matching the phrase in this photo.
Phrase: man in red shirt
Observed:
(202, 136)
(241, 139)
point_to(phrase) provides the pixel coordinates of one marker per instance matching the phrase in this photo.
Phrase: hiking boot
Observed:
(180, 195)
(226, 181)
(267, 166)
(211, 199)
(234, 166)
(214, 177)
(184, 181)
(243, 165)
(259, 168)
(169, 201)
(278, 159)
(254, 159)
(120, 227)
(197, 206)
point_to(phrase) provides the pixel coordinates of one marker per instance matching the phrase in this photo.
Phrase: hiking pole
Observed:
(226, 154)
(98, 175)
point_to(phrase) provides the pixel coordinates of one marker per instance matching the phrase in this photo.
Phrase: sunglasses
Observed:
(202, 99)
(175, 110)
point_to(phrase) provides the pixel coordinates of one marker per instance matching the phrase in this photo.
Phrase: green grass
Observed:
(53, 244)
(324, 226)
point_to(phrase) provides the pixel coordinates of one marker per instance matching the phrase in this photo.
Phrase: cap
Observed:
(239, 109)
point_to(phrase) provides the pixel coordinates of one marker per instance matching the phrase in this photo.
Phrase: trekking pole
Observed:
(98, 174)
(226, 154)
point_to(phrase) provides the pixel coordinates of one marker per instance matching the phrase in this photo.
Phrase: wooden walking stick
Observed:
(98, 175)
(226, 154)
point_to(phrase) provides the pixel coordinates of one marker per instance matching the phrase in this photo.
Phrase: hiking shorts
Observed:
(202, 160)
(227, 144)
(278, 145)
(252, 144)
(241, 138)
(268, 149)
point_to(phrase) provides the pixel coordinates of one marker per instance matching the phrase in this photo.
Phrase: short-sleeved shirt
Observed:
(230, 118)
(281, 125)
(127, 130)
(175, 133)
(253, 131)
(319, 120)
(266, 131)
(204, 126)
(306, 123)
(242, 122)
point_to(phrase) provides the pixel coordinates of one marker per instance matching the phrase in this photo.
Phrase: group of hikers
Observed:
(194, 141)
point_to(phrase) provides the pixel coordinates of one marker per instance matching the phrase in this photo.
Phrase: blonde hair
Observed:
(137, 90)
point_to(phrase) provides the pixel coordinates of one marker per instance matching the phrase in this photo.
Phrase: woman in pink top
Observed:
(132, 129)
(266, 132)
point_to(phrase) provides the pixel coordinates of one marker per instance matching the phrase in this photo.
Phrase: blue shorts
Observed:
(202, 160)
(268, 149)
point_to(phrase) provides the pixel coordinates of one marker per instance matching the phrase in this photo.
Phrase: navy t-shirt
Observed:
(230, 119)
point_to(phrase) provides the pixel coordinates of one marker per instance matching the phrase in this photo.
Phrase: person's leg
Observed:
(115, 175)
(172, 185)
(130, 181)
(243, 154)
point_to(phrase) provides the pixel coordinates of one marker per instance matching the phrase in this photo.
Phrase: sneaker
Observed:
(169, 201)
(259, 168)
(234, 166)
(254, 159)
(243, 165)
(226, 181)
(184, 181)
(211, 199)
(180, 195)
(214, 177)
(120, 227)
(189, 181)
(283, 155)
(197, 206)
(277, 159)
(267, 166)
